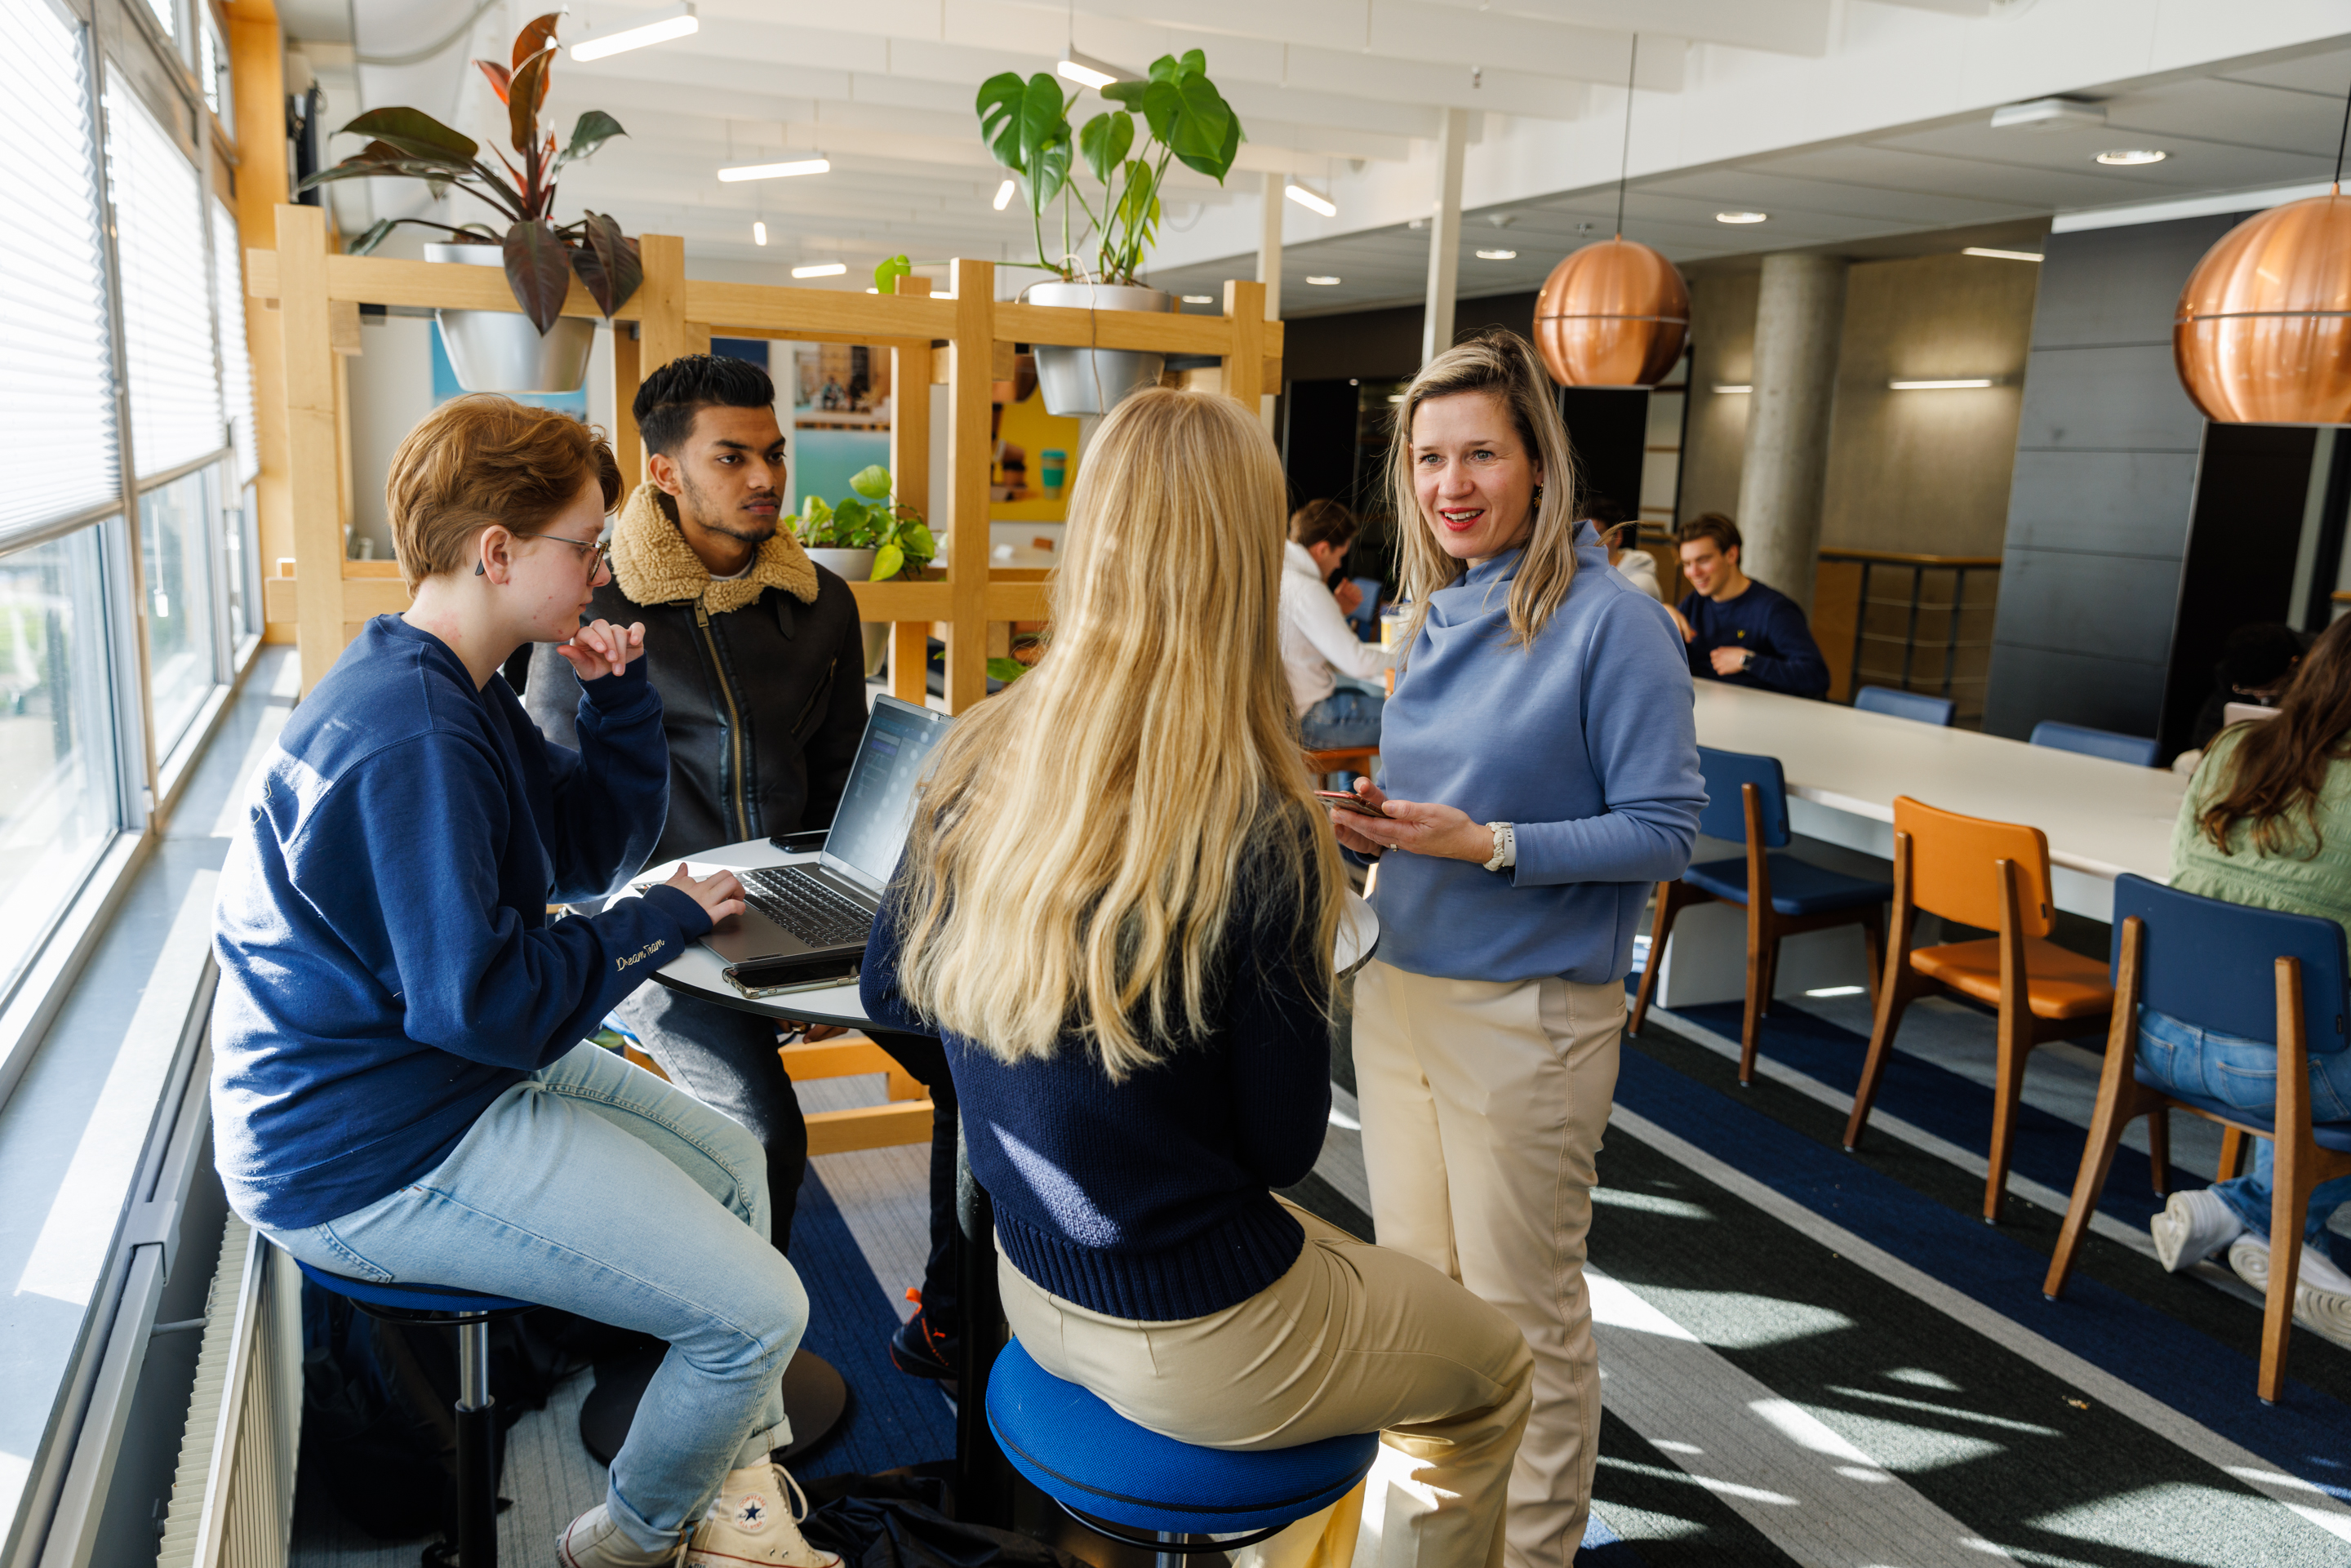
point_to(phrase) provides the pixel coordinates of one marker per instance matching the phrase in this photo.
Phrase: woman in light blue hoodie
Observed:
(1541, 774)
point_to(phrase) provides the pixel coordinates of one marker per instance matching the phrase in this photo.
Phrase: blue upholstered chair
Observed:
(471, 1314)
(1151, 1491)
(2139, 750)
(1917, 706)
(1747, 802)
(1366, 618)
(2257, 973)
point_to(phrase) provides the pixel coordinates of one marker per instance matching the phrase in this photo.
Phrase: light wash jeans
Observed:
(594, 1187)
(2243, 1073)
(1348, 716)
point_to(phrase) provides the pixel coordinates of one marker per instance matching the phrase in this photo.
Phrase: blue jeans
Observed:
(594, 1187)
(1347, 717)
(2242, 1073)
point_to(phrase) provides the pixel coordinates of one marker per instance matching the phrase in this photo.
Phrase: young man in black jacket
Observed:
(756, 650)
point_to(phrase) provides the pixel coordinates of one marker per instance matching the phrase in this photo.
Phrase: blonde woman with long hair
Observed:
(1541, 773)
(1118, 909)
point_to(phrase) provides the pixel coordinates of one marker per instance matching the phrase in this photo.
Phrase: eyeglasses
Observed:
(600, 553)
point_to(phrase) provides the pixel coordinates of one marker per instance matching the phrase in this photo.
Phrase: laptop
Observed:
(826, 905)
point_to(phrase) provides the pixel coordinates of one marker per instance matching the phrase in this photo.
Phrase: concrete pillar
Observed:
(1444, 237)
(1799, 320)
(1268, 244)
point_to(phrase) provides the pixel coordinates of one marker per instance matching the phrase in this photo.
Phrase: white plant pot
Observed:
(500, 350)
(1094, 381)
(857, 566)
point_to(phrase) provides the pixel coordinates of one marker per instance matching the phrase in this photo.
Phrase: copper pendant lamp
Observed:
(1617, 313)
(2262, 335)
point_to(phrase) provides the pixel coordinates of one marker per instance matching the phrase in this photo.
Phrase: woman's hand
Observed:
(1344, 822)
(719, 893)
(1419, 828)
(600, 649)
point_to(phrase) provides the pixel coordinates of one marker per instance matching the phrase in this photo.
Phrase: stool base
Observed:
(815, 1397)
(1171, 1550)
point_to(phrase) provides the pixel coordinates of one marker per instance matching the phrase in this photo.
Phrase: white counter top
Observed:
(2102, 818)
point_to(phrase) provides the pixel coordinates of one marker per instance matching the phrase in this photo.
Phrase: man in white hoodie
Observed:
(1318, 645)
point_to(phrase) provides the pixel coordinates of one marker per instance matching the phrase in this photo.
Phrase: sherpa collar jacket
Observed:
(762, 681)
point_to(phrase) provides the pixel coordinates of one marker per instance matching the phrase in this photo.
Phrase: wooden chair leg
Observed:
(2118, 1104)
(2232, 1155)
(1668, 905)
(2007, 1090)
(2290, 1187)
(1893, 1000)
(1873, 941)
(2158, 1150)
(1771, 972)
(1760, 966)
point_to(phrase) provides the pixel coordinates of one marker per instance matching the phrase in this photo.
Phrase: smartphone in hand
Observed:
(1348, 800)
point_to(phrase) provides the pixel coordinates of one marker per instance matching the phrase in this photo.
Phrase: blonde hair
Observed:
(480, 460)
(1084, 846)
(1502, 365)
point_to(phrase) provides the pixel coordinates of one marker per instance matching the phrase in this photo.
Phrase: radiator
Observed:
(232, 1499)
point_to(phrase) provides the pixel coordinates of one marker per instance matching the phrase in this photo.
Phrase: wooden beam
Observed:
(850, 1056)
(909, 468)
(1003, 362)
(860, 318)
(1169, 333)
(869, 1127)
(428, 285)
(1245, 360)
(970, 450)
(628, 446)
(257, 63)
(313, 439)
(661, 303)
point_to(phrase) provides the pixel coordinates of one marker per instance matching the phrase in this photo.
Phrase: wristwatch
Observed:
(1506, 846)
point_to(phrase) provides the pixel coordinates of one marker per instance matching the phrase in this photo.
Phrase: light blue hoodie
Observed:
(1584, 739)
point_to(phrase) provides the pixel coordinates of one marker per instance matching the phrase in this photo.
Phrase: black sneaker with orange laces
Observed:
(919, 1349)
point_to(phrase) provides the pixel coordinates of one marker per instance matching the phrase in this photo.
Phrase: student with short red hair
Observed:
(399, 1091)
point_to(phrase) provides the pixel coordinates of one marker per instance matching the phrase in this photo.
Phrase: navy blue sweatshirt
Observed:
(1148, 1199)
(1785, 658)
(387, 964)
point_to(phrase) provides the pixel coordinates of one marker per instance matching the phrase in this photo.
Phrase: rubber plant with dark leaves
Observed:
(541, 256)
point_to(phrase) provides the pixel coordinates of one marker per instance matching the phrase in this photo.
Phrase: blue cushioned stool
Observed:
(2139, 750)
(1919, 705)
(1112, 1475)
(471, 1314)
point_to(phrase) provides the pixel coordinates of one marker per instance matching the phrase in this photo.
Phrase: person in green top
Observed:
(2266, 821)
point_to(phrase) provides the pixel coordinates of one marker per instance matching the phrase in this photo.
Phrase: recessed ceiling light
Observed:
(1498, 256)
(775, 170)
(759, 234)
(1945, 385)
(1199, 299)
(2001, 255)
(1311, 202)
(2129, 155)
(1740, 218)
(1730, 387)
(1320, 280)
(822, 269)
(677, 21)
(1003, 196)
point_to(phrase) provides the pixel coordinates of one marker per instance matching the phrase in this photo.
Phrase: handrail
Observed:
(1903, 557)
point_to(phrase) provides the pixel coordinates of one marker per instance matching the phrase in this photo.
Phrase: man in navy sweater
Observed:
(1738, 630)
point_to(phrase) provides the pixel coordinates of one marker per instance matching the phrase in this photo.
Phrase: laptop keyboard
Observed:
(803, 905)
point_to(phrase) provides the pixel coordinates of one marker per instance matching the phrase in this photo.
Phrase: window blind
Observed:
(236, 365)
(167, 295)
(57, 374)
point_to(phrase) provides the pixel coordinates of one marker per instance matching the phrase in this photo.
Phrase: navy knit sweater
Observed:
(1782, 655)
(1148, 1199)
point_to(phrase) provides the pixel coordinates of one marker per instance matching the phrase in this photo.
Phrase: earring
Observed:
(1538, 494)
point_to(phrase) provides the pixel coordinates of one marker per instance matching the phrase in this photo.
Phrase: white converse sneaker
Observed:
(2191, 1228)
(2322, 1292)
(751, 1523)
(593, 1541)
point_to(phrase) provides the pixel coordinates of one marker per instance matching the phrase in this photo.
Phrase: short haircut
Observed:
(670, 397)
(1604, 514)
(1709, 526)
(1323, 523)
(480, 461)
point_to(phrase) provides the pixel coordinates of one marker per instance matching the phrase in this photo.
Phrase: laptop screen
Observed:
(868, 831)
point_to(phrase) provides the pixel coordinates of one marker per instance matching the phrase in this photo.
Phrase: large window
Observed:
(160, 246)
(175, 552)
(58, 788)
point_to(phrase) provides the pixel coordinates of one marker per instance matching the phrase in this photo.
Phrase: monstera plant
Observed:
(541, 256)
(1183, 119)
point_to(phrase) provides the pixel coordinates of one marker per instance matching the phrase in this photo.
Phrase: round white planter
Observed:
(500, 350)
(857, 566)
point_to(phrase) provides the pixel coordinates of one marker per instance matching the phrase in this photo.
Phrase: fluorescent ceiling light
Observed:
(822, 269)
(1319, 280)
(759, 234)
(1945, 385)
(677, 21)
(1085, 71)
(2001, 255)
(1199, 299)
(1740, 218)
(1311, 202)
(1498, 256)
(775, 170)
(1728, 387)
(1003, 195)
(2128, 156)
(2049, 114)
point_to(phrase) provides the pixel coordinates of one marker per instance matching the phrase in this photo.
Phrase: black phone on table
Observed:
(758, 977)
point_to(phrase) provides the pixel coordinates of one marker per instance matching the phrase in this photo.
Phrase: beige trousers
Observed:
(1353, 1338)
(1483, 1105)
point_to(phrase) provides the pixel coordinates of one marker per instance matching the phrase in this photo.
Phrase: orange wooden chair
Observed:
(1346, 759)
(1993, 876)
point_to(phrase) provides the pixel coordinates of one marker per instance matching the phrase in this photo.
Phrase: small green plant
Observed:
(1026, 125)
(867, 520)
